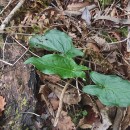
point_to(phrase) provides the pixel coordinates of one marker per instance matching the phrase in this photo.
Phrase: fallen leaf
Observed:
(113, 12)
(103, 44)
(87, 121)
(93, 46)
(54, 103)
(71, 96)
(106, 123)
(86, 16)
(77, 6)
(2, 104)
(50, 78)
(65, 122)
(86, 100)
(44, 91)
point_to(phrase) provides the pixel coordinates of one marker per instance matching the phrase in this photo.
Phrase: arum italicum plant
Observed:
(110, 89)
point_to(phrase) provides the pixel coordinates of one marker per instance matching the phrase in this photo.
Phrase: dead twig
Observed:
(8, 18)
(27, 50)
(61, 103)
(30, 113)
(5, 62)
(15, 61)
(24, 47)
(6, 7)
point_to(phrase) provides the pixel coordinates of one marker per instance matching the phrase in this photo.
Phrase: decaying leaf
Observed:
(86, 16)
(87, 121)
(65, 122)
(71, 96)
(44, 91)
(93, 46)
(54, 103)
(106, 123)
(50, 78)
(2, 104)
(77, 6)
(105, 46)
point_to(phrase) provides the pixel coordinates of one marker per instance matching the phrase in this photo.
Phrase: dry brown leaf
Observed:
(65, 122)
(2, 104)
(112, 57)
(113, 12)
(77, 6)
(86, 100)
(106, 123)
(87, 121)
(44, 91)
(50, 78)
(54, 103)
(93, 46)
(71, 96)
(116, 35)
(103, 44)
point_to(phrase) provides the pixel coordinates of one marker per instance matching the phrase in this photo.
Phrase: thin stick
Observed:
(15, 61)
(119, 41)
(6, 62)
(8, 18)
(61, 103)
(6, 6)
(27, 50)
(24, 47)
(30, 113)
(3, 48)
(77, 87)
(20, 57)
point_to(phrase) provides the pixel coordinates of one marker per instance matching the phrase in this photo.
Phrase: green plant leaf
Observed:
(65, 67)
(110, 89)
(53, 40)
(74, 52)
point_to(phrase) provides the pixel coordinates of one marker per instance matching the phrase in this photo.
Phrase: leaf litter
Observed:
(95, 27)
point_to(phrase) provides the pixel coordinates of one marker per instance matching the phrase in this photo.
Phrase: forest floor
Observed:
(31, 100)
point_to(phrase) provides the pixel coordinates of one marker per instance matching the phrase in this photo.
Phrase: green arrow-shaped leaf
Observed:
(57, 64)
(110, 89)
